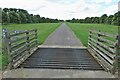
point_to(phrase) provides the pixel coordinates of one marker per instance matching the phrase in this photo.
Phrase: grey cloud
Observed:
(63, 1)
(37, 9)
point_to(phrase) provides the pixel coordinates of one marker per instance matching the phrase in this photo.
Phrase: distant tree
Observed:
(23, 17)
(31, 18)
(92, 19)
(14, 17)
(73, 20)
(43, 20)
(116, 19)
(82, 20)
(96, 20)
(103, 18)
(6, 10)
(109, 19)
(48, 20)
(88, 20)
(5, 18)
(36, 18)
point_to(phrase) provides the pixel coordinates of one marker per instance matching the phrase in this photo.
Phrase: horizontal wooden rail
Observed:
(103, 47)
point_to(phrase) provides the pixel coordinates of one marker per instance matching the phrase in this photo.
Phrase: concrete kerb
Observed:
(57, 46)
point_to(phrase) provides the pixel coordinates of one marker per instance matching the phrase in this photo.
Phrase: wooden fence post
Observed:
(98, 36)
(36, 38)
(27, 42)
(116, 68)
(8, 45)
(118, 54)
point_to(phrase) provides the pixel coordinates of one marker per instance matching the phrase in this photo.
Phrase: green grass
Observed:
(4, 60)
(44, 30)
(81, 30)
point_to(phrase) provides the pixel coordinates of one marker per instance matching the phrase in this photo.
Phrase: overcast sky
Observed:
(64, 9)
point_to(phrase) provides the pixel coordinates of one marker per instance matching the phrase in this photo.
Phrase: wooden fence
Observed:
(104, 48)
(20, 45)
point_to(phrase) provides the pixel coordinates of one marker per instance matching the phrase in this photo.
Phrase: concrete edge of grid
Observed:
(58, 46)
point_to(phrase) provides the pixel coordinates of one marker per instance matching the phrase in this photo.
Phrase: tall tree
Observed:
(96, 20)
(5, 18)
(116, 18)
(109, 19)
(103, 18)
(14, 17)
(88, 20)
(6, 10)
(23, 17)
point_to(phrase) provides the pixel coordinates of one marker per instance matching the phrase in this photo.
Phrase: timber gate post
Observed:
(118, 52)
(27, 41)
(36, 38)
(115, 65)
(8, 46)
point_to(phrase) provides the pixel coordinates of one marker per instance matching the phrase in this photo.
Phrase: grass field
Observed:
(81, 30)
(44, 30)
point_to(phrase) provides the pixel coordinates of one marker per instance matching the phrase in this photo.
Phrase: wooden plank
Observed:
(97, 50)
(105, 57)
(93, 31)
(107, 47)
(32, 38)
(31, 42)
(22, 38)
(18, 54)
(93, 40)
(33, 45)
(31, 35)
(31, 30)
(107, 41)
(100, 59)
(103, 33)
(17, 59)
(108, 35)
(16, 34)
(106, 52)
(23, 58)
(17, 50)
(18, 45)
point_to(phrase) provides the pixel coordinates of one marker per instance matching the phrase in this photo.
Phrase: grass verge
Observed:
(81, 30)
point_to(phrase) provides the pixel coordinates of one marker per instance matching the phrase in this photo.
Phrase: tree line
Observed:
(104, 19)
(21, 16)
